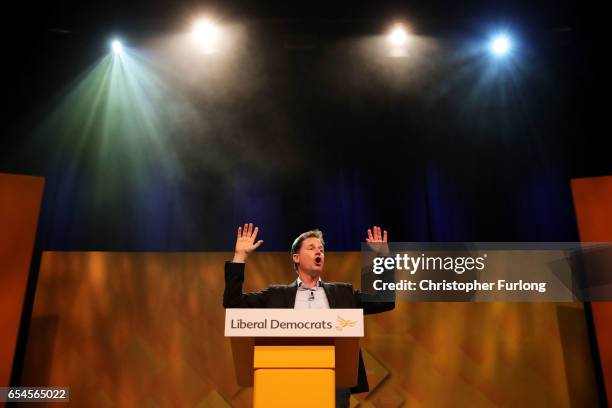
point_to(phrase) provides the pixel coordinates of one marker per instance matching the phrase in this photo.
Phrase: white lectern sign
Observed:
(294, 322)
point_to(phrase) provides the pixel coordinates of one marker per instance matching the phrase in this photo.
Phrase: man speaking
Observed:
(308, 291)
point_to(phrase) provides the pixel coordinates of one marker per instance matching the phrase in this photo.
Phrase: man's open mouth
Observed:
(318, 260)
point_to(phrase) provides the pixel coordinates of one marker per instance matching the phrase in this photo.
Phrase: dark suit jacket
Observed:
(339, 296)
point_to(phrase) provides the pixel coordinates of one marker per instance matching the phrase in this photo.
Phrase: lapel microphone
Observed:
(311, 297)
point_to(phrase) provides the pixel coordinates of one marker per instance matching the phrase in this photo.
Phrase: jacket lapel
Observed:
(290, 294)
(330, 299)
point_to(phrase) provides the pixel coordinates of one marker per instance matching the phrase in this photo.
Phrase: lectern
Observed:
(295, 357)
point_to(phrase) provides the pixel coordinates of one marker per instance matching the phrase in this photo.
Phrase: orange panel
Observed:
(593, 204)
(133, 329)
(20, 198)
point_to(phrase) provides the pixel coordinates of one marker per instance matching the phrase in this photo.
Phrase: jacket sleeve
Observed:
(374, 302)
(371, 306)
(233, 296)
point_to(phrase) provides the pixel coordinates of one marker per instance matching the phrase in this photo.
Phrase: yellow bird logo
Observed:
(342, 323)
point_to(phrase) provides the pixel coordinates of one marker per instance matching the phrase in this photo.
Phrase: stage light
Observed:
(398, 35)
(500, 45)
(116, 46)
(205, 34)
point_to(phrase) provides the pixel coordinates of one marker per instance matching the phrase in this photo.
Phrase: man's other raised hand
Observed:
(245, 242)
(377, 240)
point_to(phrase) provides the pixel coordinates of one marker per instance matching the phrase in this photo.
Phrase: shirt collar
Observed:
(299, 282)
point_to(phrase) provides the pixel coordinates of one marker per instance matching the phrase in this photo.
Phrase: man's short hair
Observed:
(297, 244)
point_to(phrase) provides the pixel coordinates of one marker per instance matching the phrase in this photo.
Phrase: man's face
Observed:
(311, 256)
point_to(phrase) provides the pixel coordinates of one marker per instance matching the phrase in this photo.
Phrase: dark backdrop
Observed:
(327, 138)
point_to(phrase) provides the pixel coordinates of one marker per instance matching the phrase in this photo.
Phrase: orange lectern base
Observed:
(294, 376)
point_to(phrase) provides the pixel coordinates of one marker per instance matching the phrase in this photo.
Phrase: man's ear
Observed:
(296, 258)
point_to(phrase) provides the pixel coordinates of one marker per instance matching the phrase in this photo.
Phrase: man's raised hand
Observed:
(245, 242)
(377, 240)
